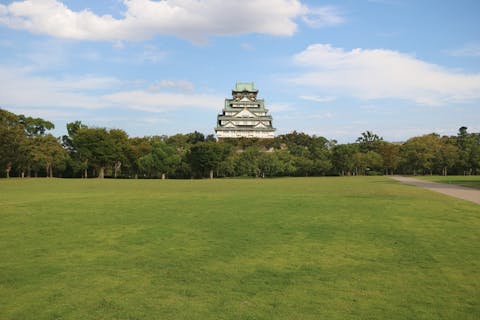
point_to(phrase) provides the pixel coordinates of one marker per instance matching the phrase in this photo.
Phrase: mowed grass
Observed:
(466, 181)
(304, 248)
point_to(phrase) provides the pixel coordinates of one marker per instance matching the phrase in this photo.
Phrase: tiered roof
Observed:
(244, 115)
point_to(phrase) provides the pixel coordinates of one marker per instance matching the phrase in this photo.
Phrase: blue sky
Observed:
(399, 68)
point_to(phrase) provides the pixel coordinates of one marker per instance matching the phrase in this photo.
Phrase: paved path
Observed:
(448, 189)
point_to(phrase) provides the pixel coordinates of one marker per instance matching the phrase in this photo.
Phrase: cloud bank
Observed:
(189, 19)
(380, 73)
(21, 89)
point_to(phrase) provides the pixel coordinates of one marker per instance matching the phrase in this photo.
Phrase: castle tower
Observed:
(244, 115)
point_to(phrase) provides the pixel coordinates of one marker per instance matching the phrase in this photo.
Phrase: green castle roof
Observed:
(245, 86)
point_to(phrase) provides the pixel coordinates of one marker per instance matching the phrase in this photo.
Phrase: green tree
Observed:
(18, 138)
(35, 126)
(288, 162)
(96, 147)
(48, 153)
(369, 141)
(205, 157)
(160, 161)
(447, 155)
(25, 160)
(226, 168)
(77, 162)
(120, 144)
(390, 154)
(374, 162)
(247, 162)
(12, 138)
(343, 158)
(138, 147)
(321, 155)
(296, 139)
(195, 137)
(469, 145)
(418, 153)
(269, 164)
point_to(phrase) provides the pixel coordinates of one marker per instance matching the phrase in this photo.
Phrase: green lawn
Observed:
(466, 181)
(307, 248)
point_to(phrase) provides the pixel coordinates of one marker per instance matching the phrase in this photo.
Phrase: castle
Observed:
(244, 115)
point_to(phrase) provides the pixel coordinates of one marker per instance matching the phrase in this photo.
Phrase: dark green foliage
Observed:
(248, 162)
(195, 137)
(24, 146)
(161, 160)
(369, 141)
(92, 152)
(12, 141)
(469, 145)
(269, 165)
(47, 153)
(343, 158)
(205, 157)
(35, 126)
(95, 147)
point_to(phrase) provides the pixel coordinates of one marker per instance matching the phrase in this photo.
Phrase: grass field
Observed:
(466, 181)
(314, 248)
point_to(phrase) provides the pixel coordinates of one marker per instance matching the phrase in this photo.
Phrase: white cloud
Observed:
(469, 50)
(161, 101)
(6, 43)
(189, 19)
(380, 73)
(247, 46)
(91, 55)
(326, 115)
(318, 99)
(21, 89)
(48, 114)
(54, 18)
(151, 120)
(323, 17)
(279, 107)
(152, 54)
(182, 85)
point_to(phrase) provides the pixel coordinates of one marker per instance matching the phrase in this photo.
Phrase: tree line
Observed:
(28, 150)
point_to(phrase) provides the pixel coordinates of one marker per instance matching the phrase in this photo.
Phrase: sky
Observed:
(399, 68)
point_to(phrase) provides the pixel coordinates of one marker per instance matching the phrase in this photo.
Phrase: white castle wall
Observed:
(244, 133)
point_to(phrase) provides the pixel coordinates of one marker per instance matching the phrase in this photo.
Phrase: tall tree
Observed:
(390, 154)
(48, 153)
(247, 164)
(469, 145)
(418, 153)
(269, 165)
(12, 138)
(195, 137)
(120, 144)
(321, 155)
(343, 158)
(205, 157)
(96, 147)
(78, 162)
(446, 156)
(287, 162)
(160, 161)
(35, 126)
(138, 147)
(369, 141)
(39, 143)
